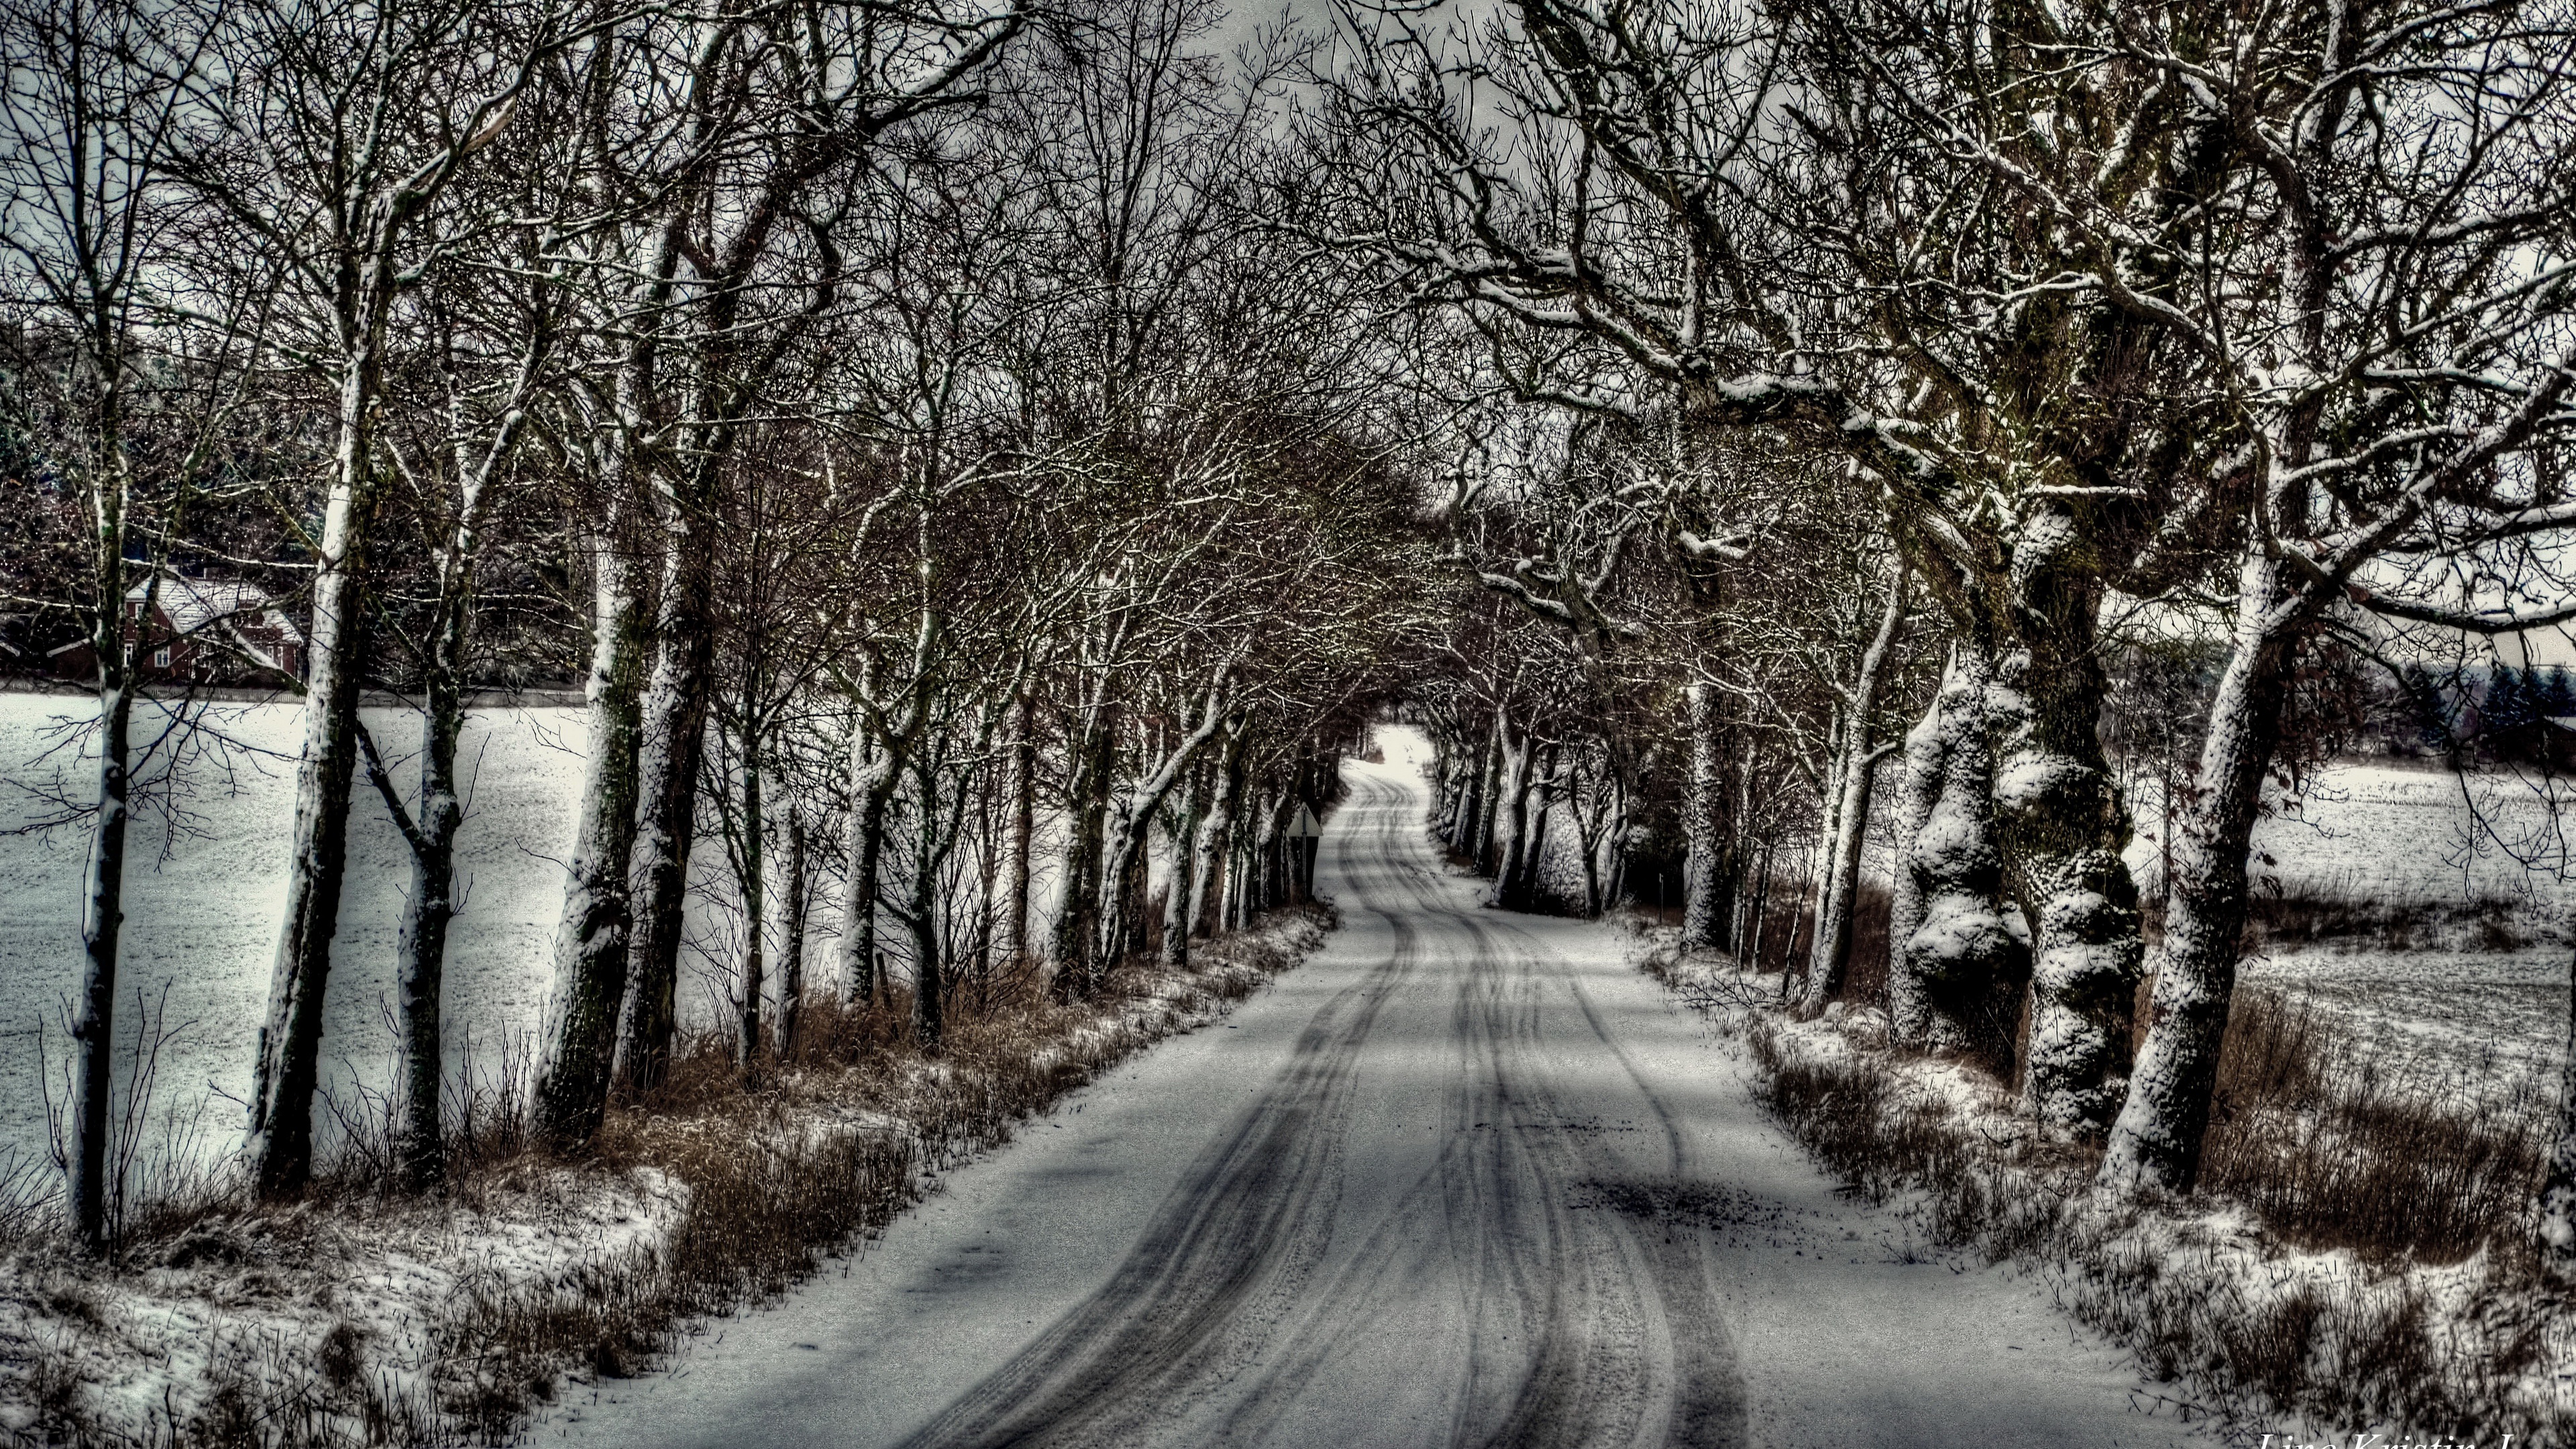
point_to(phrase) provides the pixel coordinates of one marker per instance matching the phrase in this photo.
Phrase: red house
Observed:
(205, 631)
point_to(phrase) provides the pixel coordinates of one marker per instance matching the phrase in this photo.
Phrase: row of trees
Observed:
(952, 430)
(959, 504)
(2080, 320)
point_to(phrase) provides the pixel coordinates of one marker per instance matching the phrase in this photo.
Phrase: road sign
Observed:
(1306, 827)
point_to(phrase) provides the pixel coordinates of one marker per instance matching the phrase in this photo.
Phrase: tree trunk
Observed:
(1760, 911)
(791, 961)
(1515, 824)
(590, 945)
(1270, 877)
(1489, 791)
(1615, 845)
(280, 1147)
(668, 763)
(1016, 945)
(1471, 799)
(2558, 1186)
(1591, 878)
(2156, 1141)
(755, 909)
(2060, 820)
(1534, 859)
(1209, 877)
(1182, 894)
(1957, 980)
(1078, 917)
(103, 908)
(1709, 879)
(1857, 775)
(1124, 869)
(872, 778)
(1926, 762)
(929, 1000)
(421, 943)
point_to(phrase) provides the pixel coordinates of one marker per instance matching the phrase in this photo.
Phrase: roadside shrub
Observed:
(2327, 1147)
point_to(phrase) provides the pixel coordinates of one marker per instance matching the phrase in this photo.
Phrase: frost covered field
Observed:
(203, 906)
(2482, 982)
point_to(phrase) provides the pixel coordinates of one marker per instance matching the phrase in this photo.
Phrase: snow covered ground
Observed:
(203, 905)
(1463, 1178)
(2401, 836)
(2414, 832)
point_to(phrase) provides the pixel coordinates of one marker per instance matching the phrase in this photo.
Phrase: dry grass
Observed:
(2436, 1324)
(2334, 1147)
(778, 1174)
(2330, 913)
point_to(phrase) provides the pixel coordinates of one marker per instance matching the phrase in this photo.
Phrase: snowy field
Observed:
(203, 904)
(2406, 836)
(2413, 833)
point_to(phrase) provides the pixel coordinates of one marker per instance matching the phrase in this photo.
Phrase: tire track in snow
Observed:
(1248, 1220)
(1582, 1326)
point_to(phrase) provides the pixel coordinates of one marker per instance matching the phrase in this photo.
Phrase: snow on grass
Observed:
(2246, 1327)
(360, 1318)
(348, 1307)
(2456, 947)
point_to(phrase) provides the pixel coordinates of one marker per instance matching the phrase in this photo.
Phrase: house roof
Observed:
(193, 604)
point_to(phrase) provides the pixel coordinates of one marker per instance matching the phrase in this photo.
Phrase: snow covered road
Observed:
(1463, 1179)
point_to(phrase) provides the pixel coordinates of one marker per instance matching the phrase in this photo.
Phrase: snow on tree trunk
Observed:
(1708, 880)
(2060, 820)
(1513, 828)
(2558, 1185)
(1957, 980)
(667, 766)
(288, 1071)
(791, 961)
(102, 917)
(580, 1033)
(2156, 1141)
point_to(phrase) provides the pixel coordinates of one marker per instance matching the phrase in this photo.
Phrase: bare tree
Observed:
(94, 113)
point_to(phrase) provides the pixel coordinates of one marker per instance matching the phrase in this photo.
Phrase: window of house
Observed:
(160, 658)
(129, 651)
